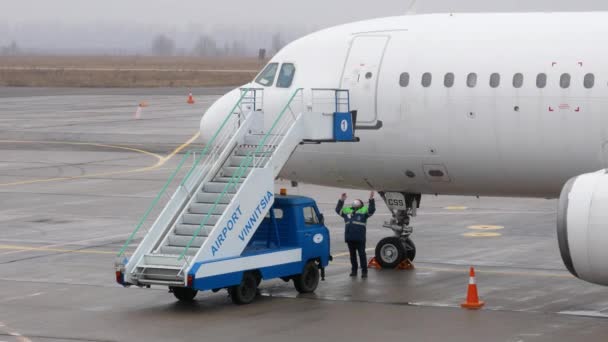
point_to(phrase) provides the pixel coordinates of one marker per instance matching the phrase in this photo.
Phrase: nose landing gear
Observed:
(392, 251)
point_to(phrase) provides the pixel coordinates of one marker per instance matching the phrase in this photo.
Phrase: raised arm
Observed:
(340, 205)
(372, 205)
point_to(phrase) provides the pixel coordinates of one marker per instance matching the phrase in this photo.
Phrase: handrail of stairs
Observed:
(198, 157)
(245, 164)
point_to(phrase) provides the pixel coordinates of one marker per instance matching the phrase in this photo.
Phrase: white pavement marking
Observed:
(10, 299)
(80, 242)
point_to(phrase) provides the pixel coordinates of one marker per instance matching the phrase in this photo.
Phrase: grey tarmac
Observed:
(77, 171)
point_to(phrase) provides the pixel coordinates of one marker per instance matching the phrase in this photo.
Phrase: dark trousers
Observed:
(353, 248)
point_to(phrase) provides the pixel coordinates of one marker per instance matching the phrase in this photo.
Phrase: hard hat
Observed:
(357, 203)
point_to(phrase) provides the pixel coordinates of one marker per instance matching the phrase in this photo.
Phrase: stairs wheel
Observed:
(308, 280)
(184, 294)
(246, 291)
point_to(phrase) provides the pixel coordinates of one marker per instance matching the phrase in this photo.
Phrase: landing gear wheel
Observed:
(184, 294)
(390, 252)
(245, 292)
(410, 249)
(308, 281)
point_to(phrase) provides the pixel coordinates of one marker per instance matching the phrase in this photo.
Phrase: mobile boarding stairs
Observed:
(227, 191)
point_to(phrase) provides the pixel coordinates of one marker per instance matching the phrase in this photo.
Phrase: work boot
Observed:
(353, 274)
(364, 274)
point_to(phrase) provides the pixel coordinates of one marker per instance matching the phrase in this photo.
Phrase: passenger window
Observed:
(266, 78)
(564, 81)
(404, 79)
(472, 80)
(448, 80)
(541, 80)
(310, 216)
(427, 78)
(286, 75)
(518, 80)
(589, 81)
(494, 80)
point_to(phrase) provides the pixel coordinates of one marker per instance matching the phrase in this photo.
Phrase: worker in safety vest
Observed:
(355, 218)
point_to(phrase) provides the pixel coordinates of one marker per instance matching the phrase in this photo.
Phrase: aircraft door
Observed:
(361, 74)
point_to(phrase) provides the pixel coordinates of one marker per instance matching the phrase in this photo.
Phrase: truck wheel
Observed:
(184, 294)
(390, 252)
(308, 280)
(245, 292)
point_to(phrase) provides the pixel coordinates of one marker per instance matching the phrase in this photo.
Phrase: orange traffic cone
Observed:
(472, 301)
(190, 99)
(373, 263)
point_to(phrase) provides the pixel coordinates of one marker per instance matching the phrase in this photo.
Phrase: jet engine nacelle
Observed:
(582, 226)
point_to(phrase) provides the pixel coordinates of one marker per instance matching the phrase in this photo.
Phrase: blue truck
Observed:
(292, 243)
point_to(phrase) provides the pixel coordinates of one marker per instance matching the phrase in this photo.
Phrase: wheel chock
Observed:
(373, 263)
(405, 265)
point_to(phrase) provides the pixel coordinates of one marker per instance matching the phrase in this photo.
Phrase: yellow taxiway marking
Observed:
(485, 227)
(45, 249)
(455, 207)
(160, 160)
(482, 234)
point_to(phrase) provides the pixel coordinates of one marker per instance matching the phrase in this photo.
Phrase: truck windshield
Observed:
(266, 78)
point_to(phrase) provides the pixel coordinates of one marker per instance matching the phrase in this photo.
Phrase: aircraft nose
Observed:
(219, 115)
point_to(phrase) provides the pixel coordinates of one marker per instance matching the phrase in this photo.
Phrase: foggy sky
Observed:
(129, 24)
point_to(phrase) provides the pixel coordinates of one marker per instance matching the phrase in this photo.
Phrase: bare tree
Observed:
(205, 47)
(277, 43)
(238, 48)
(10, 50)
(163, 46)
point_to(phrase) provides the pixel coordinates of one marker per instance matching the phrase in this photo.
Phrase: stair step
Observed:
(190, 229)
(215, 187)
(244, 151)
(204, 208)
(238, 160)
(182, 241)
(162, 274)
(197, 219)
(228, 179)
(177, 250)
(210, 198)
(162, 267)
(229, 171)
(164, 260)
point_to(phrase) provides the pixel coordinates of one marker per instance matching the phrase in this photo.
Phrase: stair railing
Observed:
(200, 165)
(272, 136)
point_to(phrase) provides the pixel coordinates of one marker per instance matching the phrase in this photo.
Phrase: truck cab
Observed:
(293, 222)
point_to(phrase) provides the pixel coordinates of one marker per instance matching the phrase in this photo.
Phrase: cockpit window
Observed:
(266, 78)
(288, 70)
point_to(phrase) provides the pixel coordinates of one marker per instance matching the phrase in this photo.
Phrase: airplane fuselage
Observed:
(467, 104)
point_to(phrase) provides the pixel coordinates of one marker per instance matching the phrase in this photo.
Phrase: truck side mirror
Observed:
(321, 219)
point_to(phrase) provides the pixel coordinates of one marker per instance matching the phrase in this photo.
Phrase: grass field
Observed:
(125, 72)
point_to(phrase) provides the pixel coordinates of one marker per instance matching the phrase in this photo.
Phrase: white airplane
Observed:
(461, 104)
